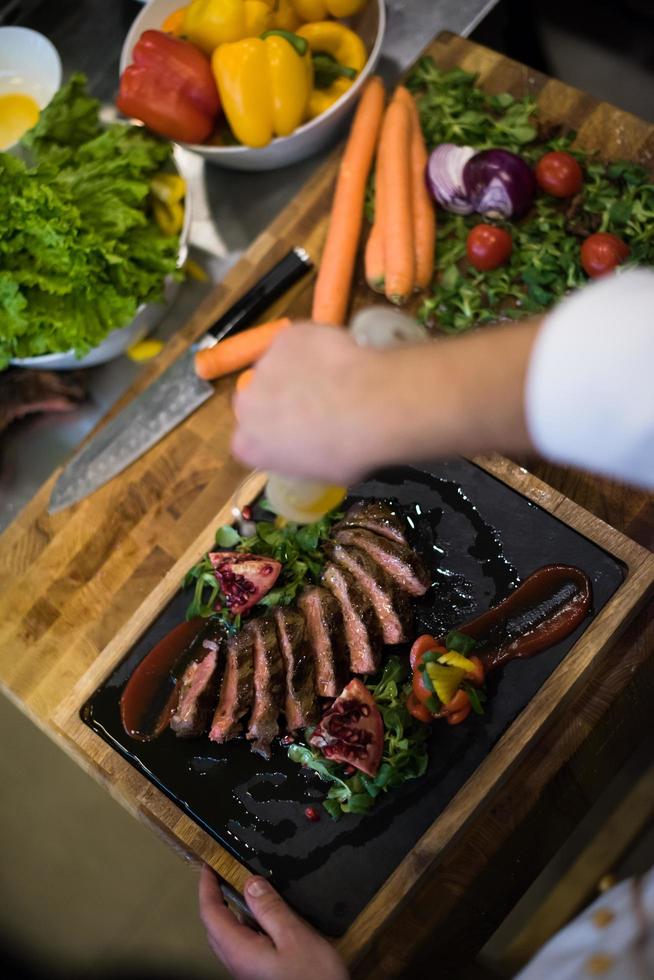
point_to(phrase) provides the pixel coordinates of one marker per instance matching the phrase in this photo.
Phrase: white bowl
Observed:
(370, 24)
(148, 315)
(29, 64)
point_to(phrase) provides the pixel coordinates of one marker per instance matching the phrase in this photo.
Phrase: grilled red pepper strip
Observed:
(170, 87)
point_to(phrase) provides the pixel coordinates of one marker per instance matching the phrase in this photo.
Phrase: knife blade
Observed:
(175, 395)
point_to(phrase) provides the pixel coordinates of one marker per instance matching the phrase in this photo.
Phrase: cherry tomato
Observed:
(457, 709)
(601, 253)
(488, 247)
(477, 675)
(421, 646)
(418, 710)
(559, 174)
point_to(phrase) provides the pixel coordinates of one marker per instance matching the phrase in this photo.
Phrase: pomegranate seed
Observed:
(246, 513)
(287, 740)
(350, 770)
(312, 814)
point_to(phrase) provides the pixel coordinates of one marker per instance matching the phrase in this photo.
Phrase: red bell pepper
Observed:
(170, 87)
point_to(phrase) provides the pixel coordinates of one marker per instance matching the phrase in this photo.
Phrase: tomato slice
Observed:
(418, 710)
(352, 730)
(421, 646)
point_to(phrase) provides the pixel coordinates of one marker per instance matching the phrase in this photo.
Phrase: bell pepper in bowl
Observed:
(338, 55)
(169, 86)
(264, 85)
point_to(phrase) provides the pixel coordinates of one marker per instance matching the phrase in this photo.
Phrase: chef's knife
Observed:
(170, 399)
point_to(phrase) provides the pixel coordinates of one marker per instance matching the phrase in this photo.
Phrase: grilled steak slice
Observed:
(375, 515)
(399, 561)
(325, 629)
(362, 631)
(199, 683)
(392, 605)
(237, 686)
(268, 686)
(300, 704)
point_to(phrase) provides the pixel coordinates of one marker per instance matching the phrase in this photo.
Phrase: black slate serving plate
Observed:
(481, 538)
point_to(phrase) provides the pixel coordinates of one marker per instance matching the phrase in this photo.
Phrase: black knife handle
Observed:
(281, 277)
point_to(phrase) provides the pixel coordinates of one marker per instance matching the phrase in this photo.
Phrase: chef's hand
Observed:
(290, 950)
(313, 408)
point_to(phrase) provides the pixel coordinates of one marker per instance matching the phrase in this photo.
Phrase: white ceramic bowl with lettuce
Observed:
(147, 315)
(369, 24)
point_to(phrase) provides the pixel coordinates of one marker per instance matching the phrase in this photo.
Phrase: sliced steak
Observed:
(199, 684)
(268, 686)
(362, 631)
(392, 605)
(237, 686)
(377, 516)
(326, 633)
(300, 704)
(398, 560)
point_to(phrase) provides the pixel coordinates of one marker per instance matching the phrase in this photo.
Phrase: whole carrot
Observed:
(395, 160)
(238, 352)
(374, 254)
(332, 290)
(424, 214)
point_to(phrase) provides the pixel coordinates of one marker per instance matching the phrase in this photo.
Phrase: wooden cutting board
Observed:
(70, 582)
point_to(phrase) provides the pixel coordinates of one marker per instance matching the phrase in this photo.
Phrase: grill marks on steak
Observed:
(237, 686)
(399, 561)
(199, 684)
(376, 516)
(325, 630)
(300, 697)
(268, 686)
(391, 604)
(362, 631)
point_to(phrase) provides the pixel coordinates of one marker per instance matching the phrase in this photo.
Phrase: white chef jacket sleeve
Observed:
(613, 938)
(589, 395)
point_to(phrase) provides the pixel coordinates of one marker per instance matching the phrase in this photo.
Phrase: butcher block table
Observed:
(70, 582)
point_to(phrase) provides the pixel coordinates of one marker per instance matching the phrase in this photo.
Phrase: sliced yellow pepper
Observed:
(454, 659)
(264, 85)
(320, 9)
(338, 56)
(169, 188)
(209, 23)
(169, 217)
(144, 350)
(446, 680)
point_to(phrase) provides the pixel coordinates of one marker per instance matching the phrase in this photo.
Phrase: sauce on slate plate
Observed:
(481, 540)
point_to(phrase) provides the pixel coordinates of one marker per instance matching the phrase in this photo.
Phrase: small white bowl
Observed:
(370, 24)
(29, 64)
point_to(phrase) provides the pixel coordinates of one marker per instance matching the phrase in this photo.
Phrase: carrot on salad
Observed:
(332, 290)
(238, 352)
(395, 163)
(424, 213)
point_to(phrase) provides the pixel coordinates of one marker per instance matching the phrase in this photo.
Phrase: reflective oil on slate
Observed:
(480, 538)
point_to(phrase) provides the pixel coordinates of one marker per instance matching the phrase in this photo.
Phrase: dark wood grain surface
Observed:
(68, 582)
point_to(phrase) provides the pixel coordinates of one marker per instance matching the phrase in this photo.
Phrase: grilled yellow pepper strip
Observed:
(338, 56)
(320, 9)
(264, 85)
(209, 23)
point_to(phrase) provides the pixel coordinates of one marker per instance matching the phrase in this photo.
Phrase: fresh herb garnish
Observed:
(297, 547)
(405, 751)
(459, 642)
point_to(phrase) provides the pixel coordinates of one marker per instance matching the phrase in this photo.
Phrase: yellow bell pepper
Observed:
(320, 9)
(446, 680)
(285, 16)
(173, 23)
(264, 85)
(338, 56)
(209, 23)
